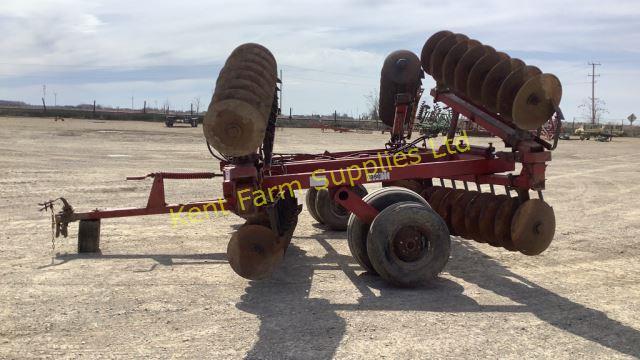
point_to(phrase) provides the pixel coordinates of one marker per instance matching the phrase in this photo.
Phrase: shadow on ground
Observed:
(292, 324)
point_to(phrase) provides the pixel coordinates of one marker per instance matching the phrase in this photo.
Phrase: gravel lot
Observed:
(163, 291)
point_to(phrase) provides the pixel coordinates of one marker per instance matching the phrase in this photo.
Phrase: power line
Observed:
(593, 76)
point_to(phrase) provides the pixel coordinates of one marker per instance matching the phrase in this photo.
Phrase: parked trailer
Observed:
(171, 120)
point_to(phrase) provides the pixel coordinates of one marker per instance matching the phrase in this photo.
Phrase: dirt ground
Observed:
(163, 291)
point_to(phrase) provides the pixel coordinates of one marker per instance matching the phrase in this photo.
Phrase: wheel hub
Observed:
(409, 244)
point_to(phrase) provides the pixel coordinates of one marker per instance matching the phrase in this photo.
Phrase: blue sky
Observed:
(330, 51)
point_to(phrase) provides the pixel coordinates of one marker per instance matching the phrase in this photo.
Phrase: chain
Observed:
(53, 237)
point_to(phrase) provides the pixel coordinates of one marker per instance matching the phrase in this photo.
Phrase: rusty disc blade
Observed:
(453, 57)
(254, 252)
(479, 72)
(411, 184)
(428, 192)
(401, 67)
(533, 227)
(429, 47)
(458, 211)
(440, 53)
(502, 228)
(494, 80)
(437, 196)
(472, 216)
(488, 220)
(534, 103)
(444, 208)
(469, 59)
(510, 87)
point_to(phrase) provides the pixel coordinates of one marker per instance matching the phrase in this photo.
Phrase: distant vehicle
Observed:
(171, 120)
(599, 132)
(433, 122)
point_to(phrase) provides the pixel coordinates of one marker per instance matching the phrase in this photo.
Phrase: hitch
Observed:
(62, 219)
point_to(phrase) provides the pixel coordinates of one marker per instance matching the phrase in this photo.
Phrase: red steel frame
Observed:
(482, 165)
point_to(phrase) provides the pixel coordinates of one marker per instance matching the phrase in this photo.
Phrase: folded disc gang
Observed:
(510, 87)
(465, 65)
(440, 53)
(400, 74)
(494, 79)
(479, 73)
(429, 47)
(453, 58)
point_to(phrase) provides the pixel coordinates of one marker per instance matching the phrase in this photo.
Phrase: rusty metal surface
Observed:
(429, 47)
(453, 58)
(445, 207)
(438, 196)
(495, 78)
(487, 221)
(534, 103)
(253, 251)
(502, 228)
(236, 121)
(491, 79)
(458, 211)
(408, 244)
(465, 65)
(510, 87)
(533, 227)
(428, 192)
(411, 184)
(472, 216)
(400, 74)
(440, 53)
(479, 73)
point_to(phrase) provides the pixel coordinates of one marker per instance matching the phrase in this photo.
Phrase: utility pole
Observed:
(131, 102)
(281, 90)
(593, 76)
(55, 99)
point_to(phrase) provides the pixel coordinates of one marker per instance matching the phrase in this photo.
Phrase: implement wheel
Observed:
(89, 236)
(357, 231)
(331, 213)
(408, 244)
(310, 201)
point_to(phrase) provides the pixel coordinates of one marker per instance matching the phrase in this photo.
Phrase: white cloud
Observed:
(331, 51)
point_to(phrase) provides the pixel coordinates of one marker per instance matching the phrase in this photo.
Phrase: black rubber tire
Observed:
(357, 231)
(310, 202)
(330, 213)
(431, 261)
(89, 236)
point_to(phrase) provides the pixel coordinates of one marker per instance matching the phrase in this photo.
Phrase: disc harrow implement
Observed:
(402, 230)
